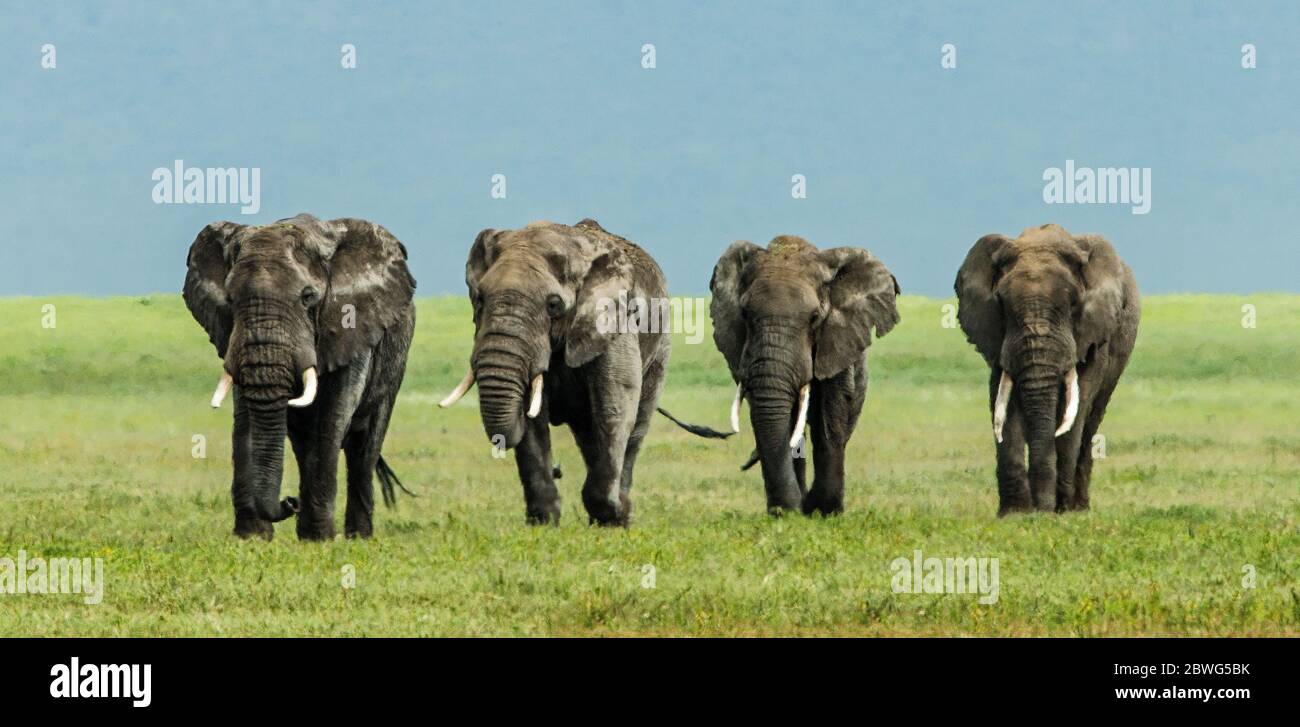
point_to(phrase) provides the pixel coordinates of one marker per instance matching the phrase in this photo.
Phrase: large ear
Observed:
(207, 266)
(1102, 296)
(370, 288)
(593, 324)
(481, 255)
(978, 309)
(727, 287)
(862, 294)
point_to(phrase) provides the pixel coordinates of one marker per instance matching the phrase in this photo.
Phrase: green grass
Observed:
(1201, 479)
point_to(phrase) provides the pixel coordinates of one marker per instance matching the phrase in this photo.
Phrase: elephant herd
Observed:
(313, 320)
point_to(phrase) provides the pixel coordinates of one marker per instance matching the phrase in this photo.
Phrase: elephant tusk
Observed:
(308, 389)
(1071, 401)
(799, 423)
(223, 388)
(535, 403)
(465, 385)
(735, 408)
(1000, 406)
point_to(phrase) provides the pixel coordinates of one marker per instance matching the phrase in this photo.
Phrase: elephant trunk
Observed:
(266, 379)
(268, 432)
(502, 377)
(773, 387)
(1038, 388)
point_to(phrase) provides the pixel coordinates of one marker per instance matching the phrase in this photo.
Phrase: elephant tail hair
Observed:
(696, 429)
(387, 479)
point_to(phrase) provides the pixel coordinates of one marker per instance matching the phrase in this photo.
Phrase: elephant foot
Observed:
(822, 503)
(351, 532)
(315, 531)
(247, 527)
(615, 522)
(543, 514)
(1014, 509)
(780, 510)
(603, 512)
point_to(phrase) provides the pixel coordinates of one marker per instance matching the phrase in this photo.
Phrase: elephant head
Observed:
(282, 303)
(1035, 308)
(537, 293)
(786, 316)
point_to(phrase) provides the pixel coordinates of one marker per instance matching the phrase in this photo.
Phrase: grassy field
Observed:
(1200, 487)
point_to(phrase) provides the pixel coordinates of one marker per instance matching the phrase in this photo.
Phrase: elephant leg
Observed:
(320, 488)
(317, 435)
(358, 517)
(1083, 472)
(316, 513)
(601, 490)
(651, 386)
(1013, 476)
(247, 523)
(833, 411)
(1067, 457)
(614, 392)
(533, 460)
(361, 449)
(800, 455)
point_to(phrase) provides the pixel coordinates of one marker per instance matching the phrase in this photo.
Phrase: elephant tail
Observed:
(696, 429)
(753, 460)
(387, 479)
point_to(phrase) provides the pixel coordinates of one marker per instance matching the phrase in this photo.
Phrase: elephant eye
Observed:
(308, 295)
(554, 306)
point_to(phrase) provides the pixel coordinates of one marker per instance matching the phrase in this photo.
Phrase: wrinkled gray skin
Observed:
(1036, 307)
(274, 300)
(536, 294)
(791, 315)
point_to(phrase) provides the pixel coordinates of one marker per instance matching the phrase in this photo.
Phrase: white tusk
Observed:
(465, 385)
(535, 403)
(308, 389)
(799, 423)
(735, 408)
(1071, 401)
(1000, 406)
(223, 388)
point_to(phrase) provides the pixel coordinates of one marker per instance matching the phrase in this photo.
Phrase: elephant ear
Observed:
(481, 255)
(978, 310)
(207, 266)
(593, 325)
(370, 289)
(1102, 296)
(862, 294)
(727, 286)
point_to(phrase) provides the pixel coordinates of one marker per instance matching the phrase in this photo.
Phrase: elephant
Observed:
(553, 345)
(793, 323)
(1055, 317)
(313, 320)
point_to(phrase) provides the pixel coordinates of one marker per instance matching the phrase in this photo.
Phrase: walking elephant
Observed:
(1055, 317)
(313, 321)
(551, 346)
(794, 323)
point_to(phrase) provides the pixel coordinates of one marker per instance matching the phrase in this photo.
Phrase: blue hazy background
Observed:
(903, 157)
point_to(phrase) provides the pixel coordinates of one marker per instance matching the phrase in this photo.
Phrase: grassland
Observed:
(1199, 487)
